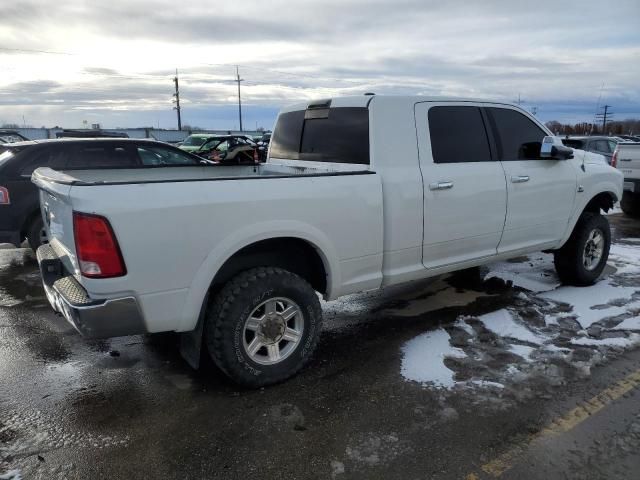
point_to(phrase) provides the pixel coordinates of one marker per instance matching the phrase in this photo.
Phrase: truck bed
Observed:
(193, 173)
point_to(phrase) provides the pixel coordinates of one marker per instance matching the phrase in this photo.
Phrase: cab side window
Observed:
(458, 134)
(518, 138)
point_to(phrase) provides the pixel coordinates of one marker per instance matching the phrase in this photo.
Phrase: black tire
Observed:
(225, 333)
(569, 260)
(34, 233)
(630, 204)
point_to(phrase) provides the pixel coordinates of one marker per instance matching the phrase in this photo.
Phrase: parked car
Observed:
(605, 146)
(627, 159)
(629, 138)
(11, 136)
(20, 216)
(358, 193)
(193, 142)
(230, 149)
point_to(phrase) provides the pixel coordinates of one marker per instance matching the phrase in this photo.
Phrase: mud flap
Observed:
(191, 342)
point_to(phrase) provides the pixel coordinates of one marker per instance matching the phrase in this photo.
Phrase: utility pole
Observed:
(606, 114)
(177, 95)
(238, 79)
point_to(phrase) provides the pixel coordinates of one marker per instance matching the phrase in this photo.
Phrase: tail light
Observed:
(4, 196)
(614, 159)
(97, 247)
(255, 155)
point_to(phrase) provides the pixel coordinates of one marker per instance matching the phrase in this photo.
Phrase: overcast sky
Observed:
(113, 62)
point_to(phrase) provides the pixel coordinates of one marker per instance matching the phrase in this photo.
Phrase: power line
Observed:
(177, 95)
(238, 79)
(604, 115)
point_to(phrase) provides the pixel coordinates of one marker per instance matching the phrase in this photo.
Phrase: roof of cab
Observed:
(365, 100)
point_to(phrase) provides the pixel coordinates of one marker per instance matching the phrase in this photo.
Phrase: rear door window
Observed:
(601, 146)
(458, 135)
(338, 135)
(518, 138)
(158, 156)
(49, 157)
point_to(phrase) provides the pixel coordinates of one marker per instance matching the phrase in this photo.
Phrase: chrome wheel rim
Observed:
(593, 249)
(273, 330)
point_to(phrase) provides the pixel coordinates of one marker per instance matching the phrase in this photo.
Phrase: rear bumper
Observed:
(93, 318)
(8, 236)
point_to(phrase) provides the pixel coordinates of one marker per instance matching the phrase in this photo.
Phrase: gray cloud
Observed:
(550, 53)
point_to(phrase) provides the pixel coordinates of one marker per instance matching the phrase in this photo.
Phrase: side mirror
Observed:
(552, 150)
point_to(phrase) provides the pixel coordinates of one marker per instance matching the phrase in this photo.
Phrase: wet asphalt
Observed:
(130, 408)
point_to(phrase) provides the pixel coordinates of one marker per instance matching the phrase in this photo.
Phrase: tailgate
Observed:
(57, 213)
(629, 160)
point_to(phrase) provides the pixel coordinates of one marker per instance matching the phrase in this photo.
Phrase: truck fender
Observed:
(606, 187)
(244, 237)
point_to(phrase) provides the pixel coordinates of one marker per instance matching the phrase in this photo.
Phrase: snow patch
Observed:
(594, 303)
(623, 342)
(11, 475)
(523, 351)
(423, 359)
(534, 274)
(632, 323)
(502, 323)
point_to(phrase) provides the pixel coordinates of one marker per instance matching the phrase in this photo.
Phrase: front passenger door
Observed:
(540, 192)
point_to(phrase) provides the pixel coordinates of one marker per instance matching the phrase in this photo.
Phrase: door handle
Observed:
(519, 178)
(440, 185)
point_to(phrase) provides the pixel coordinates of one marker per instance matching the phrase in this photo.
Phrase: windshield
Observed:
(192, 141)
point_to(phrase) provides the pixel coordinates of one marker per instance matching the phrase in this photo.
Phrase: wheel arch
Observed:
(290, 253)
(255, 246)
(603, 200)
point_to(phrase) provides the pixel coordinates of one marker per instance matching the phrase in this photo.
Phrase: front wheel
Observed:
(581, 260)
(263, 326)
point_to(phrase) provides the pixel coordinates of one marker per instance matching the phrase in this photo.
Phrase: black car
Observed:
(11, 136)
(19, 202)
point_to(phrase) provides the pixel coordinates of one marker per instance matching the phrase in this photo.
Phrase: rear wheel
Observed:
(37, 235)
(581, 260)
(263, 326)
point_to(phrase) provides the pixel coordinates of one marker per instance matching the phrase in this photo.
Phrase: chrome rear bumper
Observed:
(93, 318)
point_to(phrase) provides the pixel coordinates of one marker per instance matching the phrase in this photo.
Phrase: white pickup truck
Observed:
(358, 193)
(626, 158)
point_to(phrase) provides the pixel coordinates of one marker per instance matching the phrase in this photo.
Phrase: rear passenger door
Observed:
(465, 197)
(540, 192)
(24, 194)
